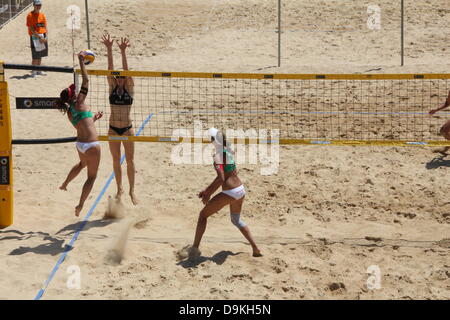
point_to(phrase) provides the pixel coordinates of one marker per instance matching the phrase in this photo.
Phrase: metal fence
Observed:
(9, 9)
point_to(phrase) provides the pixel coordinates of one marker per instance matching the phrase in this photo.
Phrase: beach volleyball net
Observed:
(385, 109)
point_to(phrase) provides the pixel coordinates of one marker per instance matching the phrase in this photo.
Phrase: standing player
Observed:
(87, 144)
(445, 129)
(121, 90)
(233, 194)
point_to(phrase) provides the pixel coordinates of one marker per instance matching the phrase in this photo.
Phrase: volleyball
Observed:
(89, 57)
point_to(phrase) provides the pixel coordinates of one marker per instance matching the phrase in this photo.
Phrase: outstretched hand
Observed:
(107, 41)
(445, 105)
(81, 56)
(123, 44)
(98, 115)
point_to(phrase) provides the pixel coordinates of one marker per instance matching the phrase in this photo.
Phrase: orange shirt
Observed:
(36, 21)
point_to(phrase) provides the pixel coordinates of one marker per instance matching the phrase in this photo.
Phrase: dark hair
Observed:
(62, 102)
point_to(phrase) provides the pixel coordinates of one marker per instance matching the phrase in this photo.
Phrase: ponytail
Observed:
(62, 102)
(61, 105)
(222, 140)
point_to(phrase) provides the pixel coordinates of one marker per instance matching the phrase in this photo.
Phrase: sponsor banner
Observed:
(35, 103)
(4, 171)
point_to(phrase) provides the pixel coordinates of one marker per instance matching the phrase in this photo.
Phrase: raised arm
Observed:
(123, 45)
(85, 82)
(106, 40)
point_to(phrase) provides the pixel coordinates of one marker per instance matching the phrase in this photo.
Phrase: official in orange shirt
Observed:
(37, 29)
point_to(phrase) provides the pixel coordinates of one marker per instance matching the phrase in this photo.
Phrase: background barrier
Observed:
(9, 9)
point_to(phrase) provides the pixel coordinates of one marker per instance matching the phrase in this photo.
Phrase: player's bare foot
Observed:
(119, 193)
(442, 151)
(78, 209)
(63, 187)
(134, 200)
(194, 253)
(257, 253)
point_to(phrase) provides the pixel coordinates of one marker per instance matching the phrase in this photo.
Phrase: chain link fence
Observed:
(9, 9)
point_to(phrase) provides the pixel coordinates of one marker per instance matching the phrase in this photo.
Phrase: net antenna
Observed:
(72, 18)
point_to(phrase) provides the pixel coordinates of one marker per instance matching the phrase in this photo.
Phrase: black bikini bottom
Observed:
(121, 131)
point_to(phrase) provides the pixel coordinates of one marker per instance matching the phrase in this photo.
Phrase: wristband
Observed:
(84, 90)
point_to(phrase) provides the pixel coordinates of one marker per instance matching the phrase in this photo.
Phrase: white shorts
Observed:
(85, 146)
(236, 193)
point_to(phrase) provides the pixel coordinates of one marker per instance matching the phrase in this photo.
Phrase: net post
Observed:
(402, 30)
(6, 167)
(279, 33)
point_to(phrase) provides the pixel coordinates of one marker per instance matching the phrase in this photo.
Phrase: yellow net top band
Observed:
(268, 76)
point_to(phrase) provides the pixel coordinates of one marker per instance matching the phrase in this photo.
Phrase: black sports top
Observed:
(125, 99)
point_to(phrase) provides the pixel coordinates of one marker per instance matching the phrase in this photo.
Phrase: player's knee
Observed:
(116, 159)
(202, 215)
(445, 134)
(236, 220)
(91, 177)
(445, 131)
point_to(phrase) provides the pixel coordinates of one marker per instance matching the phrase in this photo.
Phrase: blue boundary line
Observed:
(91, 210)
(299, 112)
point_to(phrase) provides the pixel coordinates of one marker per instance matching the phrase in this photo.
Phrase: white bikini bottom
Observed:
(85, 146)
(236, 193)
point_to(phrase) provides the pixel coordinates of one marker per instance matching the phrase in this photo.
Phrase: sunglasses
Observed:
(120, 77)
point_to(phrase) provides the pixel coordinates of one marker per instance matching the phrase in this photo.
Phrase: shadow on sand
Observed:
(85, 225)
(53, 245)
(219, 258)
(25, 76)
(438, 162)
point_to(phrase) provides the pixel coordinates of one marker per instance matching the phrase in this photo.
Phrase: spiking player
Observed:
(87, 144)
